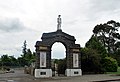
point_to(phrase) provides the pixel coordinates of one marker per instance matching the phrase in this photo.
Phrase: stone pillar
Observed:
(74, 68)
(43, 69)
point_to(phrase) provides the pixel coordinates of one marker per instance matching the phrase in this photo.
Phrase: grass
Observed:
(118, 72)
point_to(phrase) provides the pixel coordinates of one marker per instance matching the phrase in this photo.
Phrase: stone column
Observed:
(74, 62)
(43, 62)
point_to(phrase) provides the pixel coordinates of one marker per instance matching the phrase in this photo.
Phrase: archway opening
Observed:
(58, 59)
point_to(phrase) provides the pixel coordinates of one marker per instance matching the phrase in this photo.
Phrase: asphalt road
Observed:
(19, 76)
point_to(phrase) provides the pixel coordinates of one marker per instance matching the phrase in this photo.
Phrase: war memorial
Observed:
(43, 53)
(43, 68)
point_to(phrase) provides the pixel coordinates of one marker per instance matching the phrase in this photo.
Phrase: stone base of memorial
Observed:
(73, 72)
(43, 73)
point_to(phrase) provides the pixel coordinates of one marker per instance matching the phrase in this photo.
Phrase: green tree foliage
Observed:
(61, 66)
(94, 57)
(117, 56)
(24, 48)
(22, 61)
(13, 60)
(108, 35)
(94, 44)
(8, 61)
(91, 61)
(27, 57)
(95, 50)
(109, 64)
(5, 60)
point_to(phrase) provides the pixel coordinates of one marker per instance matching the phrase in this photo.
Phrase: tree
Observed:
(95, 58)
(117, 56)
(5, 60)
(94, 44)
(92, 55)
(30, 57)
(91, 61)
(29, 54)
(108, 35)
(24, 48)
(13, 61)
(110, 64)
(8, 60)
(27, 57)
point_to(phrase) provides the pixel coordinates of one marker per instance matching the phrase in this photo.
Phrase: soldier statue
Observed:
(59, 22)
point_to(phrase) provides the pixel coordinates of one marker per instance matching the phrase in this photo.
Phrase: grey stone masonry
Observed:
(48, 39)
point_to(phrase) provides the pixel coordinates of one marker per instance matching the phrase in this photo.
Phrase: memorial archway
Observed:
(43, 53)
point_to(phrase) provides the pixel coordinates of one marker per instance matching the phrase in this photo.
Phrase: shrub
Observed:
(91, 61)
(109, 64)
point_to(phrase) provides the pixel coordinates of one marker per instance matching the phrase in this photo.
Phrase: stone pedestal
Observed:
(43, 73)
(73, 72)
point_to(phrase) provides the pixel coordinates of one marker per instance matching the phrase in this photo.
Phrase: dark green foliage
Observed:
(13, 60)
(91, 61)
(26, 58)
(22, 61)
(24, 48)
(8, 61)
(108, 35)
(116, 55)
(92, 55)
(5, 60)
(94, 44)
(109, 64)
(61, 66)
(95, 58)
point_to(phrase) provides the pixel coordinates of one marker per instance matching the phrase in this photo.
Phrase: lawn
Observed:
(118, 72)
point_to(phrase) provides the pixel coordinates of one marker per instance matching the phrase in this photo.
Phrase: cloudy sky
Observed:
(27, 19)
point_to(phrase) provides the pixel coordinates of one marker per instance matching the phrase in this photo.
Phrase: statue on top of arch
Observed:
(59, 21)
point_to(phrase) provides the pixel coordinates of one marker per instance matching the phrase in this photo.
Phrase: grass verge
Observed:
(118, 72)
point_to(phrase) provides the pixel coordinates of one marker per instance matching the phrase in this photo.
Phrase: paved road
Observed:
(19, 76)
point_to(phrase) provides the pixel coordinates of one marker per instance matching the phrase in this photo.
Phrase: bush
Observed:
(91, 61)
(110, 64)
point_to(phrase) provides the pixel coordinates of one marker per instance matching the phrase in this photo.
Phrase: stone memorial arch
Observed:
(43, 53)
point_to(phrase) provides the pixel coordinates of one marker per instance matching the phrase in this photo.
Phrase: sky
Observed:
(22, 20)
